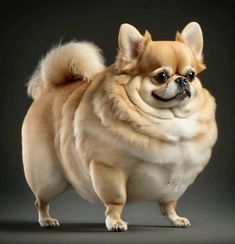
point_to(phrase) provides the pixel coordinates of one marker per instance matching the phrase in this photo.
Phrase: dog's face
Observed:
(163, 73)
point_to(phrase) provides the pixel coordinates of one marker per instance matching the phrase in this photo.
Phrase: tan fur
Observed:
(110, 139)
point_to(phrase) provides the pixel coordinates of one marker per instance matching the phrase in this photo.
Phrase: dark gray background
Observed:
(28, 30)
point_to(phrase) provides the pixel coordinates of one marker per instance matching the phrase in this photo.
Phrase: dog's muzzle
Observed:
(183, 91)
(183, 88)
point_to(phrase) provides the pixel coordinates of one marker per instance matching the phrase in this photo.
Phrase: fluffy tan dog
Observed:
(141, 129)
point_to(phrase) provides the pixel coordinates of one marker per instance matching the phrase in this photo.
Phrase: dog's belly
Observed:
(168, 181)
(152, 182)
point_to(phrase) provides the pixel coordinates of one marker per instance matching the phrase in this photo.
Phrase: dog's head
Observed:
(163, 74)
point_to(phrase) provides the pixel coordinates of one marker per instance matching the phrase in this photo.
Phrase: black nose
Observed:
(181, 81)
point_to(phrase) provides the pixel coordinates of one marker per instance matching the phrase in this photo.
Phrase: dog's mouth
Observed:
(179, 96)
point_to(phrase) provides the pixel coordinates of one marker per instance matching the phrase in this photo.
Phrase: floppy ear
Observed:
(193, 38)
(129, 41)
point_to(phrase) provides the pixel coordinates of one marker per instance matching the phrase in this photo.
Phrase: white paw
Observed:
(116, 225)
(181, 222)
(49, 222)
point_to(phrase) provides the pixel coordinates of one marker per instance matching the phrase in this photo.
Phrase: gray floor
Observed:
(83, 222)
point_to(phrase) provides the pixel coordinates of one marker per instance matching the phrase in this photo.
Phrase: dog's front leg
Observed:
(109, 183)
(169, 209)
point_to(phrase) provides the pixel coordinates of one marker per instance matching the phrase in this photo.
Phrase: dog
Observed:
(139, 130)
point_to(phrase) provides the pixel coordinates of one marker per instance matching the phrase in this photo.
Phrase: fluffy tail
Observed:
(74, 60)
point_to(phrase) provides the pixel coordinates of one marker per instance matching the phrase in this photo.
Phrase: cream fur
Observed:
(110, 139)
(74, 60)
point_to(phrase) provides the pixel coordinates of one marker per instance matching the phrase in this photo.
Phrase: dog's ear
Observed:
(131, 43)
(193, 38)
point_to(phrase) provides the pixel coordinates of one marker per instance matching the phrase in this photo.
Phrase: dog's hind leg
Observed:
(47, 181)
(43, 173)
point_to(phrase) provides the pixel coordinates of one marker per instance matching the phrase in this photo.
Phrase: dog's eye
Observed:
(191, 75)
(161, 77)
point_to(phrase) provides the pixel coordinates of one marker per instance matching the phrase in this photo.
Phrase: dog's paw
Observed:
(116, 225)
(49, 222)
(181, 222)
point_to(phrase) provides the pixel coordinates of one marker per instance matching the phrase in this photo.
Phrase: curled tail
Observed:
(74, 60)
